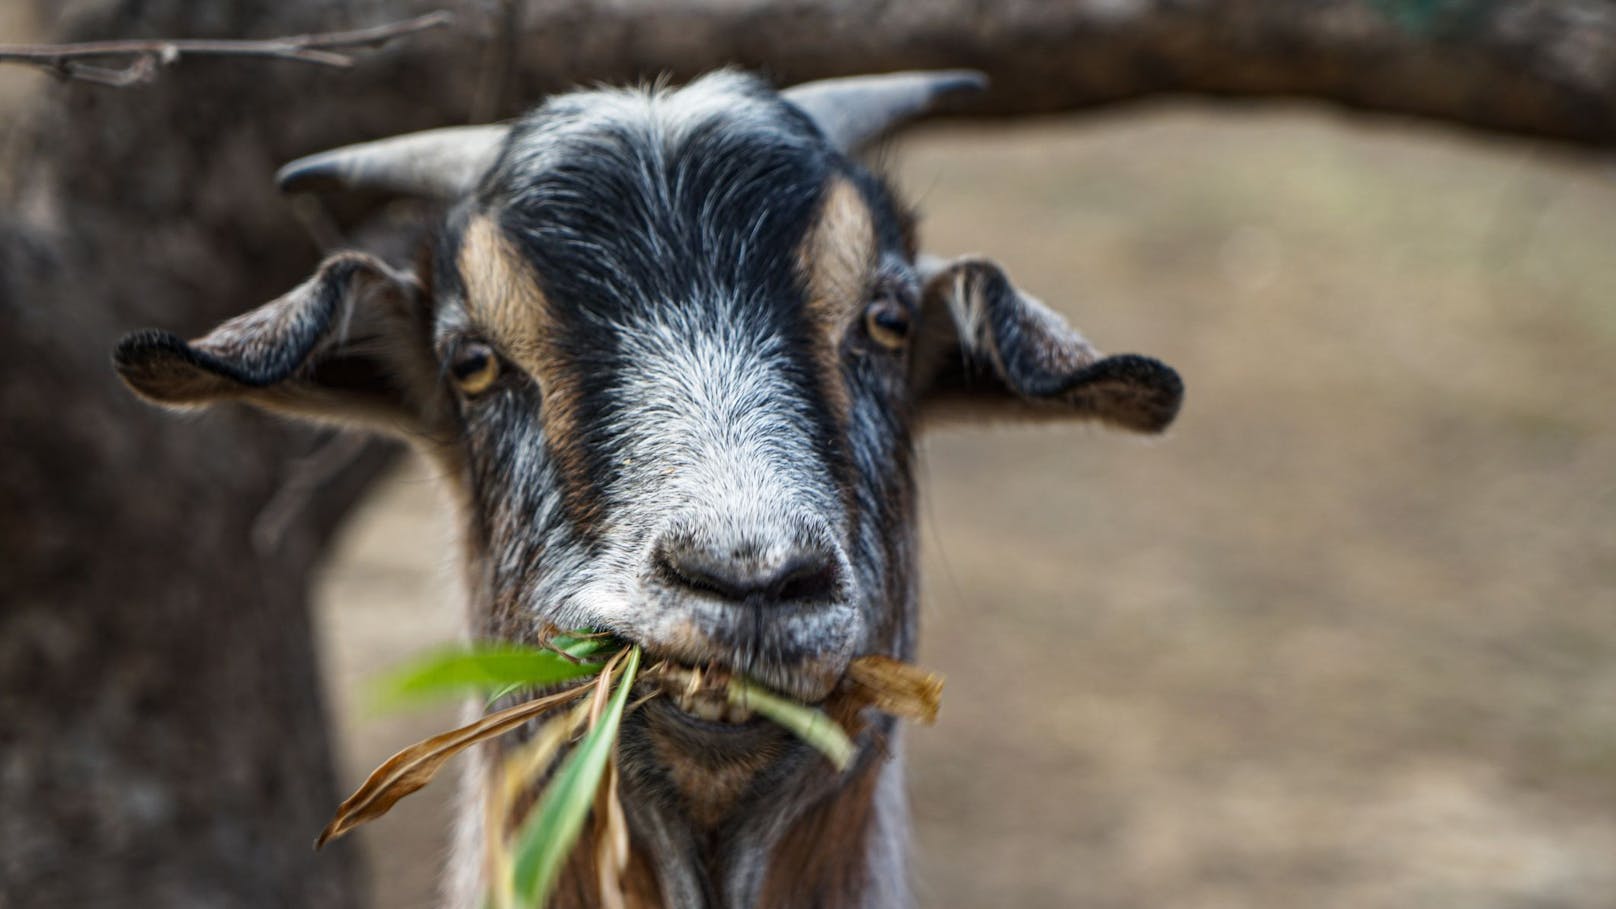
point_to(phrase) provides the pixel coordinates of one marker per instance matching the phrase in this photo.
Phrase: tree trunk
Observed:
(163, 739)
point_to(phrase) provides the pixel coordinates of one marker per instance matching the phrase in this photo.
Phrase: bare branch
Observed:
(144, 58)
(306, 478)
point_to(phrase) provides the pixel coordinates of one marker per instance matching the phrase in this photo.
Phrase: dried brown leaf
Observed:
(895, 687)
(611, 848)
(603, 687)
(515, 776)
(414, 767)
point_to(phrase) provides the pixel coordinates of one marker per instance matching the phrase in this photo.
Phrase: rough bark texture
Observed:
(163, 739)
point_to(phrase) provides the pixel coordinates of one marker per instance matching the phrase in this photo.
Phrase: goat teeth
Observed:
(707, 709)
(735, 713)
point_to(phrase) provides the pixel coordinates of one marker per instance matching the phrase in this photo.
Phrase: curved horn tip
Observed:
(435, 163)
(310, 174)
(958, 81)
(853, 110)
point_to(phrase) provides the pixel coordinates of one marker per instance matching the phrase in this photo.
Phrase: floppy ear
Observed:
(985, 349)
(352, 344)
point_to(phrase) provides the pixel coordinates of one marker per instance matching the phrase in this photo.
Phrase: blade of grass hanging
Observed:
(807, 723)
(549, 834)
(487, 668)
(611, 850)
(514, 775)
(415, 766)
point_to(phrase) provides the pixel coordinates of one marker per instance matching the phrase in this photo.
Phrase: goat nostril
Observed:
(809, 578)
(803, 577)
(682, 571)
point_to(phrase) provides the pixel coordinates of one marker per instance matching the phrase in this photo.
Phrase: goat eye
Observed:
(474, 368)
(886, 321)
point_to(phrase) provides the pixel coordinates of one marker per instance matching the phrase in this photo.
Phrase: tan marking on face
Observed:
(502, 293)
(504, 298)
(836, 261)
(837, 255)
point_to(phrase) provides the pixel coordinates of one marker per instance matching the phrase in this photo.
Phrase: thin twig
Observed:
(305, 478)
(142, 59)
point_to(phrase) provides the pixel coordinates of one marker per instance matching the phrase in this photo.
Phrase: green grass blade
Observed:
(808, 723)
(484, 669)
(550, 832)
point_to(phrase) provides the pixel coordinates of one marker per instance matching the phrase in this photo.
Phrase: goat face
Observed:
(690, 441)
(671, 345)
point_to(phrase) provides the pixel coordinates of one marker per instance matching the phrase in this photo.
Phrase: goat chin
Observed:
(746, 817)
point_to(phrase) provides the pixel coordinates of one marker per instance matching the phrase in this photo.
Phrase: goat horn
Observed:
(853, 110)
(439, 163)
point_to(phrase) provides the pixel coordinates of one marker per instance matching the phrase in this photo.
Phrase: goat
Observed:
(670, 347)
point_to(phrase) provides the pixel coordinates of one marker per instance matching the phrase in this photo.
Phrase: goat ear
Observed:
(351, 345)
(983, 345)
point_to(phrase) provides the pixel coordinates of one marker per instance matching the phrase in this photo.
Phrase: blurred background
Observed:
(1344, 637)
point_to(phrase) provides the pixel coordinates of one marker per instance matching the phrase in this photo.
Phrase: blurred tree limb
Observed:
(164, 739)
(1544, 68)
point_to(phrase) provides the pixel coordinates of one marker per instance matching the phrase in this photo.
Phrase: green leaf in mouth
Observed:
(810, 724)
(490, 669)
(550, 832)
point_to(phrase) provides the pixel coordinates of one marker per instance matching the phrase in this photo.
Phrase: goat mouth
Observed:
(713, 712)
(800, 651)
(700, 696)
(690, 716)
(724, 721)
(695, 676)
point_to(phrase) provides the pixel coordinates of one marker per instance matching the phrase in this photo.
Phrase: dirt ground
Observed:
(1346, 637)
